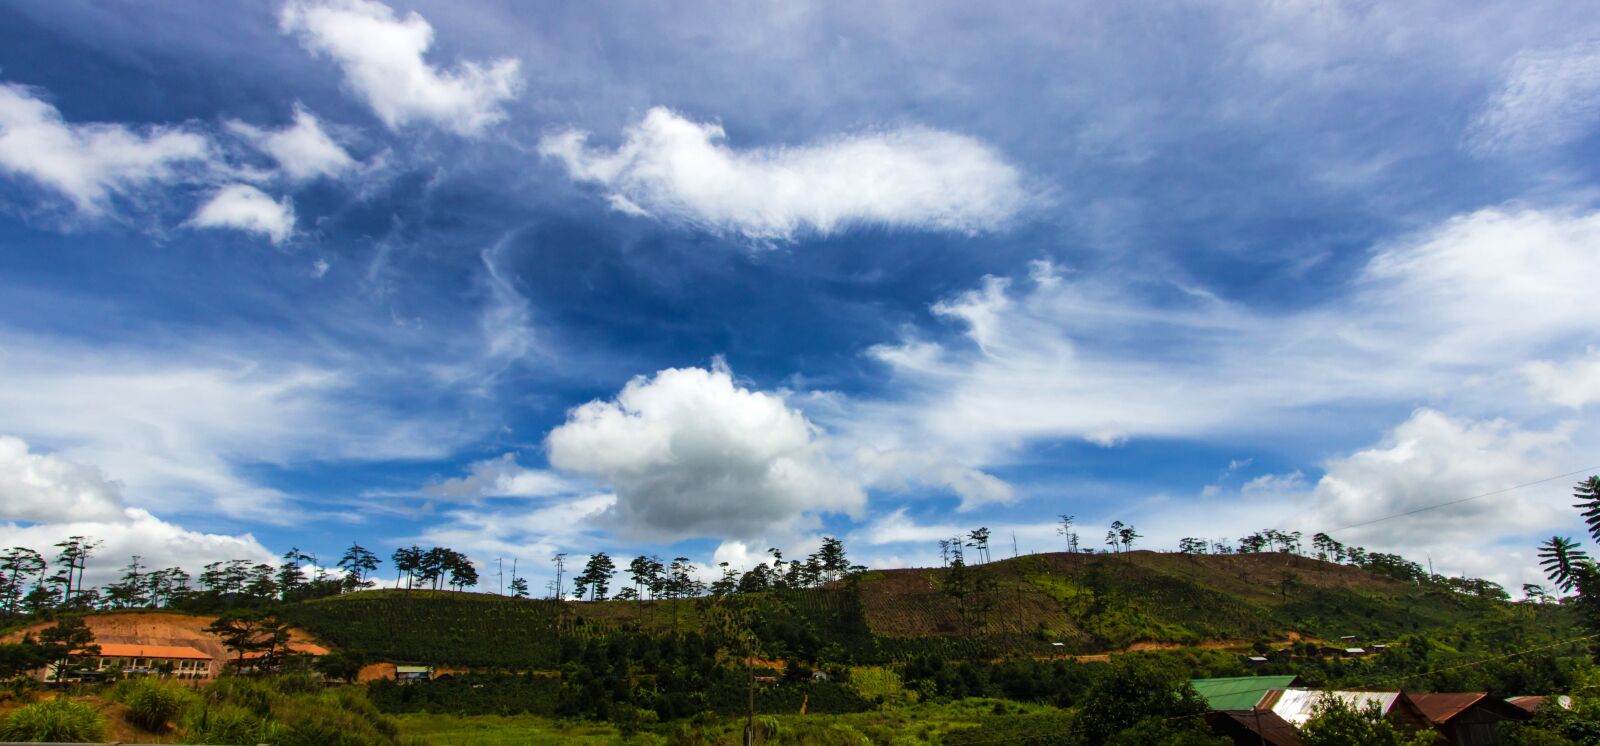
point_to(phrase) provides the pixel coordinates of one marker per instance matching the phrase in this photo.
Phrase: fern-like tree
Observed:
(980, 542)
(1127, 536)
(1065, 531)
(358, 562)
(1564, 562)
(1569, 567)
(17, 566)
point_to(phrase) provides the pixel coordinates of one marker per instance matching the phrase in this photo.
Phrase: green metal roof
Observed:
(1239, 692)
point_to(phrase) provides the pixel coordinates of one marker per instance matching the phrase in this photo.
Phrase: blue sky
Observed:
(700, 280)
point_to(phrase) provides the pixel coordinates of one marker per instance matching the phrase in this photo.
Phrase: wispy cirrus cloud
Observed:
(1547, 97)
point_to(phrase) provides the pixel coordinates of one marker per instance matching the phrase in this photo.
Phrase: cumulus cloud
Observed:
(42, 488)
(674, 168)
(1548, 97)
(89, 163)
(58, 498)
(500, 477)
(1433, 458)
(303, 150)
(689, 452)
(246, 208)
(382, 56)
(158, 543)
(1574, 383)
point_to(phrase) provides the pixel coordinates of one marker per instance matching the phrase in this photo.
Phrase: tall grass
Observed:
(153, 704)
(58, 719)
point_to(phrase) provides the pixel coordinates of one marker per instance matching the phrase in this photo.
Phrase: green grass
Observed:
(57, 719)
(911, 725)
(492, 730)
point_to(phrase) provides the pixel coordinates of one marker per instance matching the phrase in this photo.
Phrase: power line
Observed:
(1458, 501)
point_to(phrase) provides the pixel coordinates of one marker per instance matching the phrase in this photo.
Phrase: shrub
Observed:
(222, 723)
(152, 704)
(58, 719)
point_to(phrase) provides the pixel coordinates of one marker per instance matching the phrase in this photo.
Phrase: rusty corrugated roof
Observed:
(1440, 707)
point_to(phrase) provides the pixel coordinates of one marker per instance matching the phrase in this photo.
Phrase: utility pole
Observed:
(500, 573)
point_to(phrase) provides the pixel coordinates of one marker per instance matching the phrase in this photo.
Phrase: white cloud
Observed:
(674, 168)
(41, 488)
(1574, 383)
(246, 208)
(89, 163)
(530, 533)
(382, 57)
(303, 150)
(501, 477)
(180, 427)
(904, 469)
(1433, 458)
(1467, 300)
(158, 543)
(691, 453)
(319, 269)
(1547, 97)
(59, 498)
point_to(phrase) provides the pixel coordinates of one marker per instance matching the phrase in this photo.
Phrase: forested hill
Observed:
(1038, 604)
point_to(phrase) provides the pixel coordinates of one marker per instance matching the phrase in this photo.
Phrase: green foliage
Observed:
(1131, 690)
(1038, 728)
(58, 719)
(441, 628)
(286, 711)
(341, 665)
(1335, 722)
(469, 695)
(152, 704)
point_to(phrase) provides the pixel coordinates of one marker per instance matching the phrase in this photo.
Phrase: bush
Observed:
(222, 723)
(58, 719)
(152, 705)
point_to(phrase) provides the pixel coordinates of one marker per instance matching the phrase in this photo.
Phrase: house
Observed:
(1240, 692)
(1468, 718)
(1297, 705)
(116, 659)
(1343, 652)
(1531, 705)
(1253, 728)
(409, 674)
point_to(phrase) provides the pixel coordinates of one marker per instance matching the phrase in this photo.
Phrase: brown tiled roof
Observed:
(125, 650)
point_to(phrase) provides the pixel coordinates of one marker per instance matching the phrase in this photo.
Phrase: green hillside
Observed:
(1087, 603)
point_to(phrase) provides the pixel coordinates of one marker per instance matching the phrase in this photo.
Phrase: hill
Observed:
(1046, 604)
